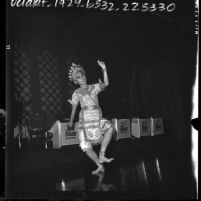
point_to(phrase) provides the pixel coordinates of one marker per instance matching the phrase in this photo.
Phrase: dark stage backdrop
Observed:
(150, 61)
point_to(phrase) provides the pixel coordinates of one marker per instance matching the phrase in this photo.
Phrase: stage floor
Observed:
(149, 168)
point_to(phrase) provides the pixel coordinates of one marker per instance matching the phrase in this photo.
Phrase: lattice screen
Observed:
(22, 78)
(50, 88)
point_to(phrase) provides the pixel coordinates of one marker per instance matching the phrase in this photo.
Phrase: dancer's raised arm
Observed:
(105, 76)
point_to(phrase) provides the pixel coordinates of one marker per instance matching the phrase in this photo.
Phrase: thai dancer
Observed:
(92, 128)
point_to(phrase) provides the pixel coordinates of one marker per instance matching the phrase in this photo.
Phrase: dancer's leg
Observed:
(93, 156)
(104, 144)
(87, 148)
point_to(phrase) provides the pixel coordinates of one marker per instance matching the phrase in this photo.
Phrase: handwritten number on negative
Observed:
(89, 5)
(111, 7)
(97, 4)
(125, 7)
(169, 8)
(135, 5)
(104, 5)
(78, 2)
(70, 4)
(153, 7)
(145, 7)
(161, 7)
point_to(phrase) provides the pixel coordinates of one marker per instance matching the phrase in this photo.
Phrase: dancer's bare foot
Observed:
(100, 176)
(103, 159)
(99, 169)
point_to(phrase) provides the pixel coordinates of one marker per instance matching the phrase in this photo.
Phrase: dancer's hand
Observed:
(70, 101)
(100, 81)
(101, 64)
(69, 125)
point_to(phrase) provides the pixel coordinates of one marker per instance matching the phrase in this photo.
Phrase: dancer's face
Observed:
(81, 78)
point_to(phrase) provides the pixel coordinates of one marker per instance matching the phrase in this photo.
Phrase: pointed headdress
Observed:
(74, 69)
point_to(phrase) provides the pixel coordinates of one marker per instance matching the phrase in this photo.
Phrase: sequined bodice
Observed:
(87, 98)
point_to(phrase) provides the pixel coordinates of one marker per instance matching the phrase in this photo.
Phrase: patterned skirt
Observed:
(92, 127)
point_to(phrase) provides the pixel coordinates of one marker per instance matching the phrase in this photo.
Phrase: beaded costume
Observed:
(92, 125)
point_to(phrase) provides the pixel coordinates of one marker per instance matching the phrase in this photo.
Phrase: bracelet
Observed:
(102, 153)
(104, 70)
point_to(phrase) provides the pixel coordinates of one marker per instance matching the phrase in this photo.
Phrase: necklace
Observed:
(85, 90)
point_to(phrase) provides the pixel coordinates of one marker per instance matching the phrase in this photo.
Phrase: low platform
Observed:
(32, 160)
(146, 168)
